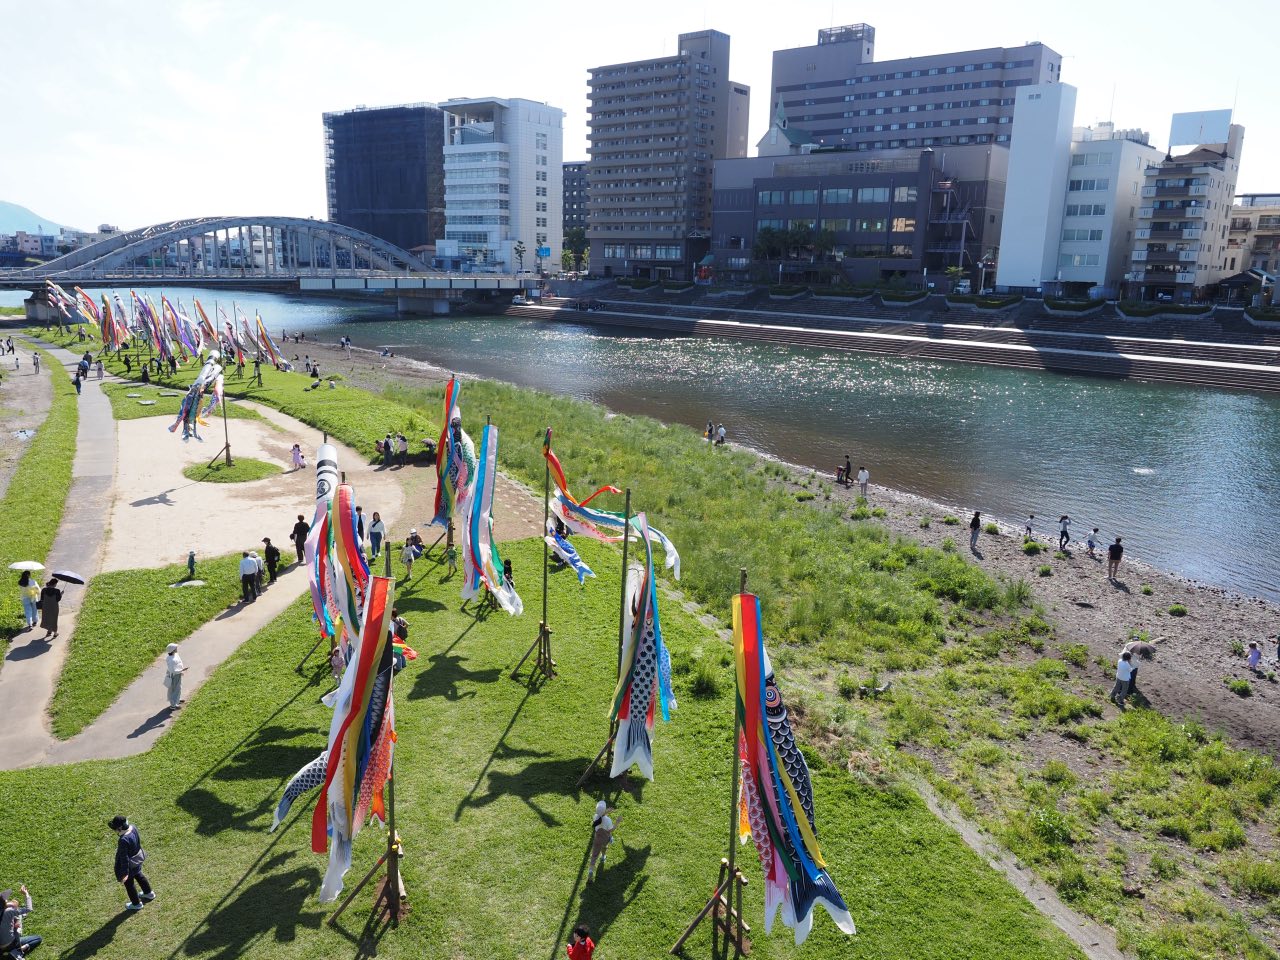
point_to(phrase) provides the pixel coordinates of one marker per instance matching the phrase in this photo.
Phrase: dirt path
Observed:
(25, 397)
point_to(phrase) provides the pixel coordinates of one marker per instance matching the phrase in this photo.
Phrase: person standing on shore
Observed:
(1124, 674)
(299, 537)
(248, 577)
(848, 471)
(129, 859)
(1092, 543)
(864, 477)
(720, 435)
(174, 668)
(298, 461)
(710, 434)
(975, 527)
(1031, 519)
(1114, 553)
(1064, 531)
(1254, 659)
(35, 360)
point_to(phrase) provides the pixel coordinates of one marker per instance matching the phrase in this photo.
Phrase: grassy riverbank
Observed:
(31, 510)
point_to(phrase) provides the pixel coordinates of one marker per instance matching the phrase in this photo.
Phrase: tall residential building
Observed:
(838, 93)
(1180, 245)
(384, 172)
(503, 184)
(575, 194)
(1254, 236)
(656, 128)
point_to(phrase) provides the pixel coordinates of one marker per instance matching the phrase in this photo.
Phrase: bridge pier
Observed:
(431, 306)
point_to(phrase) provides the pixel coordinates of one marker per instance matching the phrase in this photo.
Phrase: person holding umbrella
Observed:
(29, 590)
(50, 599)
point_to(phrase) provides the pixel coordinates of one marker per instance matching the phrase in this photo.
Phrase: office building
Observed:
(384, 172)
(503, 185)
(575, 194)
(837, 92)
(1180, 245)
(656, 129)
(906, 214)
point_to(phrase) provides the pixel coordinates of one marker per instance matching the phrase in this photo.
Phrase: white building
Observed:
(502, 183)
(1039, 163)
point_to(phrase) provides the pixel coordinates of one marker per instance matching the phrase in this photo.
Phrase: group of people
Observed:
(1093, 543)
(40, 604)
(714, 434)
(254, 568)
(845, 476)
(392, 445)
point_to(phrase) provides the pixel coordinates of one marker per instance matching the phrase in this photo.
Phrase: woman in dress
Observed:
(29, 590)
(50, 597)
(298, 462)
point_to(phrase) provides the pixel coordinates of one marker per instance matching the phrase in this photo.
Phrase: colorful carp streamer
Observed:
(776, 806)
(481, 562)
(644, 671)
(580, 518)
(361, 741)
(210, 378)
(264, 340)
(563, 549)
(304, 781)
(455, 460)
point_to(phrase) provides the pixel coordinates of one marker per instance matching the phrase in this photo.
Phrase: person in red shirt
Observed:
(581, 947)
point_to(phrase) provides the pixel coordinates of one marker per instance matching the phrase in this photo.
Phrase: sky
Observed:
(143, 111)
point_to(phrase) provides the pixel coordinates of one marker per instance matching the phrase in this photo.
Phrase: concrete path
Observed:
(32, 666)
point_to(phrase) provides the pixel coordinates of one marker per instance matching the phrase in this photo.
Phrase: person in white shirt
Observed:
(602, 827)
(248, 578)
(1064, 532)
(402, 447)
(174, 668)
(1030, 521)
(1124, 673)
(864, 477)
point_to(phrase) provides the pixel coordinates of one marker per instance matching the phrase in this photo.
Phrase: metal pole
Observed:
(226, 435)
(737, 767)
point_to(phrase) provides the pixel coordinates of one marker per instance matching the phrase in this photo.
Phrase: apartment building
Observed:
(575, 194)
(1181, 245)
(384, 172)
(656, 128)
(1254, 234)
(503, 185)
(837, 92)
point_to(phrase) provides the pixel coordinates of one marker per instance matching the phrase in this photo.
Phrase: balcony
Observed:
(1144, 233)
(1139, 256)
(1186, 276)
(1188, 256)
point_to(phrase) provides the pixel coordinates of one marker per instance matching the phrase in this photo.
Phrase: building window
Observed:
(1071, 234)
(769, 223)
(868, 225)
(801, 223)
(541, 174)
(836, 225)
(804, 196)
(666, 252)
(1087, 210)
(542, 192)
(904, 194)
(540, 141)
(904, 224)
(1078, 260)
(1102, 183)
(772, 198)
(837, 195)
(873, 195)
(542, 206)
(542, 222)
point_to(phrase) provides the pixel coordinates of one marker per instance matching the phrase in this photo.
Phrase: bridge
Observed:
(289, 253)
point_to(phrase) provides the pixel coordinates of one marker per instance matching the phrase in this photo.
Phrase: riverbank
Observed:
(1196, 651)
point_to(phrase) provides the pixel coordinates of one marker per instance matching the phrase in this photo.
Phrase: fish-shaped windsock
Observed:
(319, 556)
(481, 563)
(776, 805)
(304, 781)
(563, 549)
(455, 461)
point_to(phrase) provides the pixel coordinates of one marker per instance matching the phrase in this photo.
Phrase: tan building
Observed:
(1181, 245)
(656, 128)
(1255, 232)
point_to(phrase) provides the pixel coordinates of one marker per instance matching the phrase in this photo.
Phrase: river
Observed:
(1190, 477)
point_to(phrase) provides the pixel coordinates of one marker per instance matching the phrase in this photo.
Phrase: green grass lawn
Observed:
(494, 827)
(242, 470)
(125, 407)
(127, 620)
(32, 506)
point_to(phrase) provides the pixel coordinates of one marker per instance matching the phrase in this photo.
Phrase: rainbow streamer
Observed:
(455, 460)
(351, 573)
(264, 338)
(481, 563)
(644, 671)
(776, 805)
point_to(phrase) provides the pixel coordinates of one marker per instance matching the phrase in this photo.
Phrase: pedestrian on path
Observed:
(1124, 676)
(298, 461)
(864, 477)
(35, 361)
(174, 668)
(299, 537)
(98, 369)
(272, 555)
(975, 527)
(248, 578)
(76, 381)
(129, 859)
(1114, 553)
(50, 599)
(29, 591)
(13, 943)
(377, 530)
(360, 526)
(1064, 531)
(262, 570)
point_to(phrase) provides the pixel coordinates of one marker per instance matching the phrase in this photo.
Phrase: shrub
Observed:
(901, 296)
(1017, 594)
(1164, 868)
(846, 686)
(804, 495)
(1059, 555)
(1146, 590)
(1239, 686)
(1076, 306)
(1237, 647)
(787, 290)
(880, 513)
(706, 681)
(951, 521)
(1177, 610)
(992, 529)
(1256, 878)
(948, 545)
(1031, 547)
(1045, 570)
(1057, 772)
(924, 523)
(1076, 654)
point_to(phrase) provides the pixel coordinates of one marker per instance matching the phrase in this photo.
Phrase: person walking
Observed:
(174, 668)
(272, 555)
(1031, 519)
(1092, 543)
(129, 859)
(848, 471)
(76, 381)
(1124, 675)
(35, 361)
(13, 943)
(864, 477)
(581, 946)
(97, 370)
(248, 578)
(298, 461)
(50, 600)
(602, 827)
(377, 530)
(975, 527)
(29, 592)
(360, 526)
(299, 537)
(1254, 660)
(1064, 531)
(261, 570)
(1114, 553)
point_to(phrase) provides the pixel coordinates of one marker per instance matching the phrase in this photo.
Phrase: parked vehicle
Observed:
(519, 300)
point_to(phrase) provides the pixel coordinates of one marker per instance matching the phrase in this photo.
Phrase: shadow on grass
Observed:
(442, 677)
(214, 815)
(539, 778)
(268, 757)
(557, 948)
(97, 941)
(617, 884)
(412, 604)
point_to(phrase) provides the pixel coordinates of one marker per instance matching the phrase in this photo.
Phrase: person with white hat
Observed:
(174, 668)
(602, 827)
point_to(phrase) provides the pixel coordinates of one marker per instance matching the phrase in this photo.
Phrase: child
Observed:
(1030, 520)
(1092, 542)
(602, 827)
(298, 461)
(581, 947)
(1255, 656)
(337, 662)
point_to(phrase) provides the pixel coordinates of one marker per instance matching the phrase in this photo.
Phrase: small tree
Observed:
(519, 250)
(824, 241)
(566, 259)
(768, 244)
(955, 273)
(575, 241)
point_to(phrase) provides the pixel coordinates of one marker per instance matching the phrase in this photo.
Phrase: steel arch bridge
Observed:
(251, 248)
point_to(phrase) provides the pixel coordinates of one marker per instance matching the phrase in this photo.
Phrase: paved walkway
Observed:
(32, 666)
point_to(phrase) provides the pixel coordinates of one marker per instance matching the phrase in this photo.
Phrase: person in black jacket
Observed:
(272, 555)
(129, 859)
(299, 536)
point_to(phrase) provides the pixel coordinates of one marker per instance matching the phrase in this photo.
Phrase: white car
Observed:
(519, 300)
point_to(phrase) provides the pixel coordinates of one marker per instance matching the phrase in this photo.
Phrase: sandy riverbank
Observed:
(1185, 679)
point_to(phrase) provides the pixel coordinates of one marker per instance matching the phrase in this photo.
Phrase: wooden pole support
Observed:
(716, 897)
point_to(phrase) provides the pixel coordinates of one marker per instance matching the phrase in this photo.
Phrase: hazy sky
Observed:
(143, 111)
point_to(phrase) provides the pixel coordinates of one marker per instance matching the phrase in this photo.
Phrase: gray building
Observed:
(384, 172)
(656, 129)
(838, 93)
(901, 213)
(575, 194)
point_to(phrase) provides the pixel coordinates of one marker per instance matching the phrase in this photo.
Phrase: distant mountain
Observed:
(14, 218)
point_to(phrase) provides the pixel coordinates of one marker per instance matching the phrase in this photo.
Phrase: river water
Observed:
(1189, 477)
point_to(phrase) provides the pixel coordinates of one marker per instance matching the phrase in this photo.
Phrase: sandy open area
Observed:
(158, 514)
